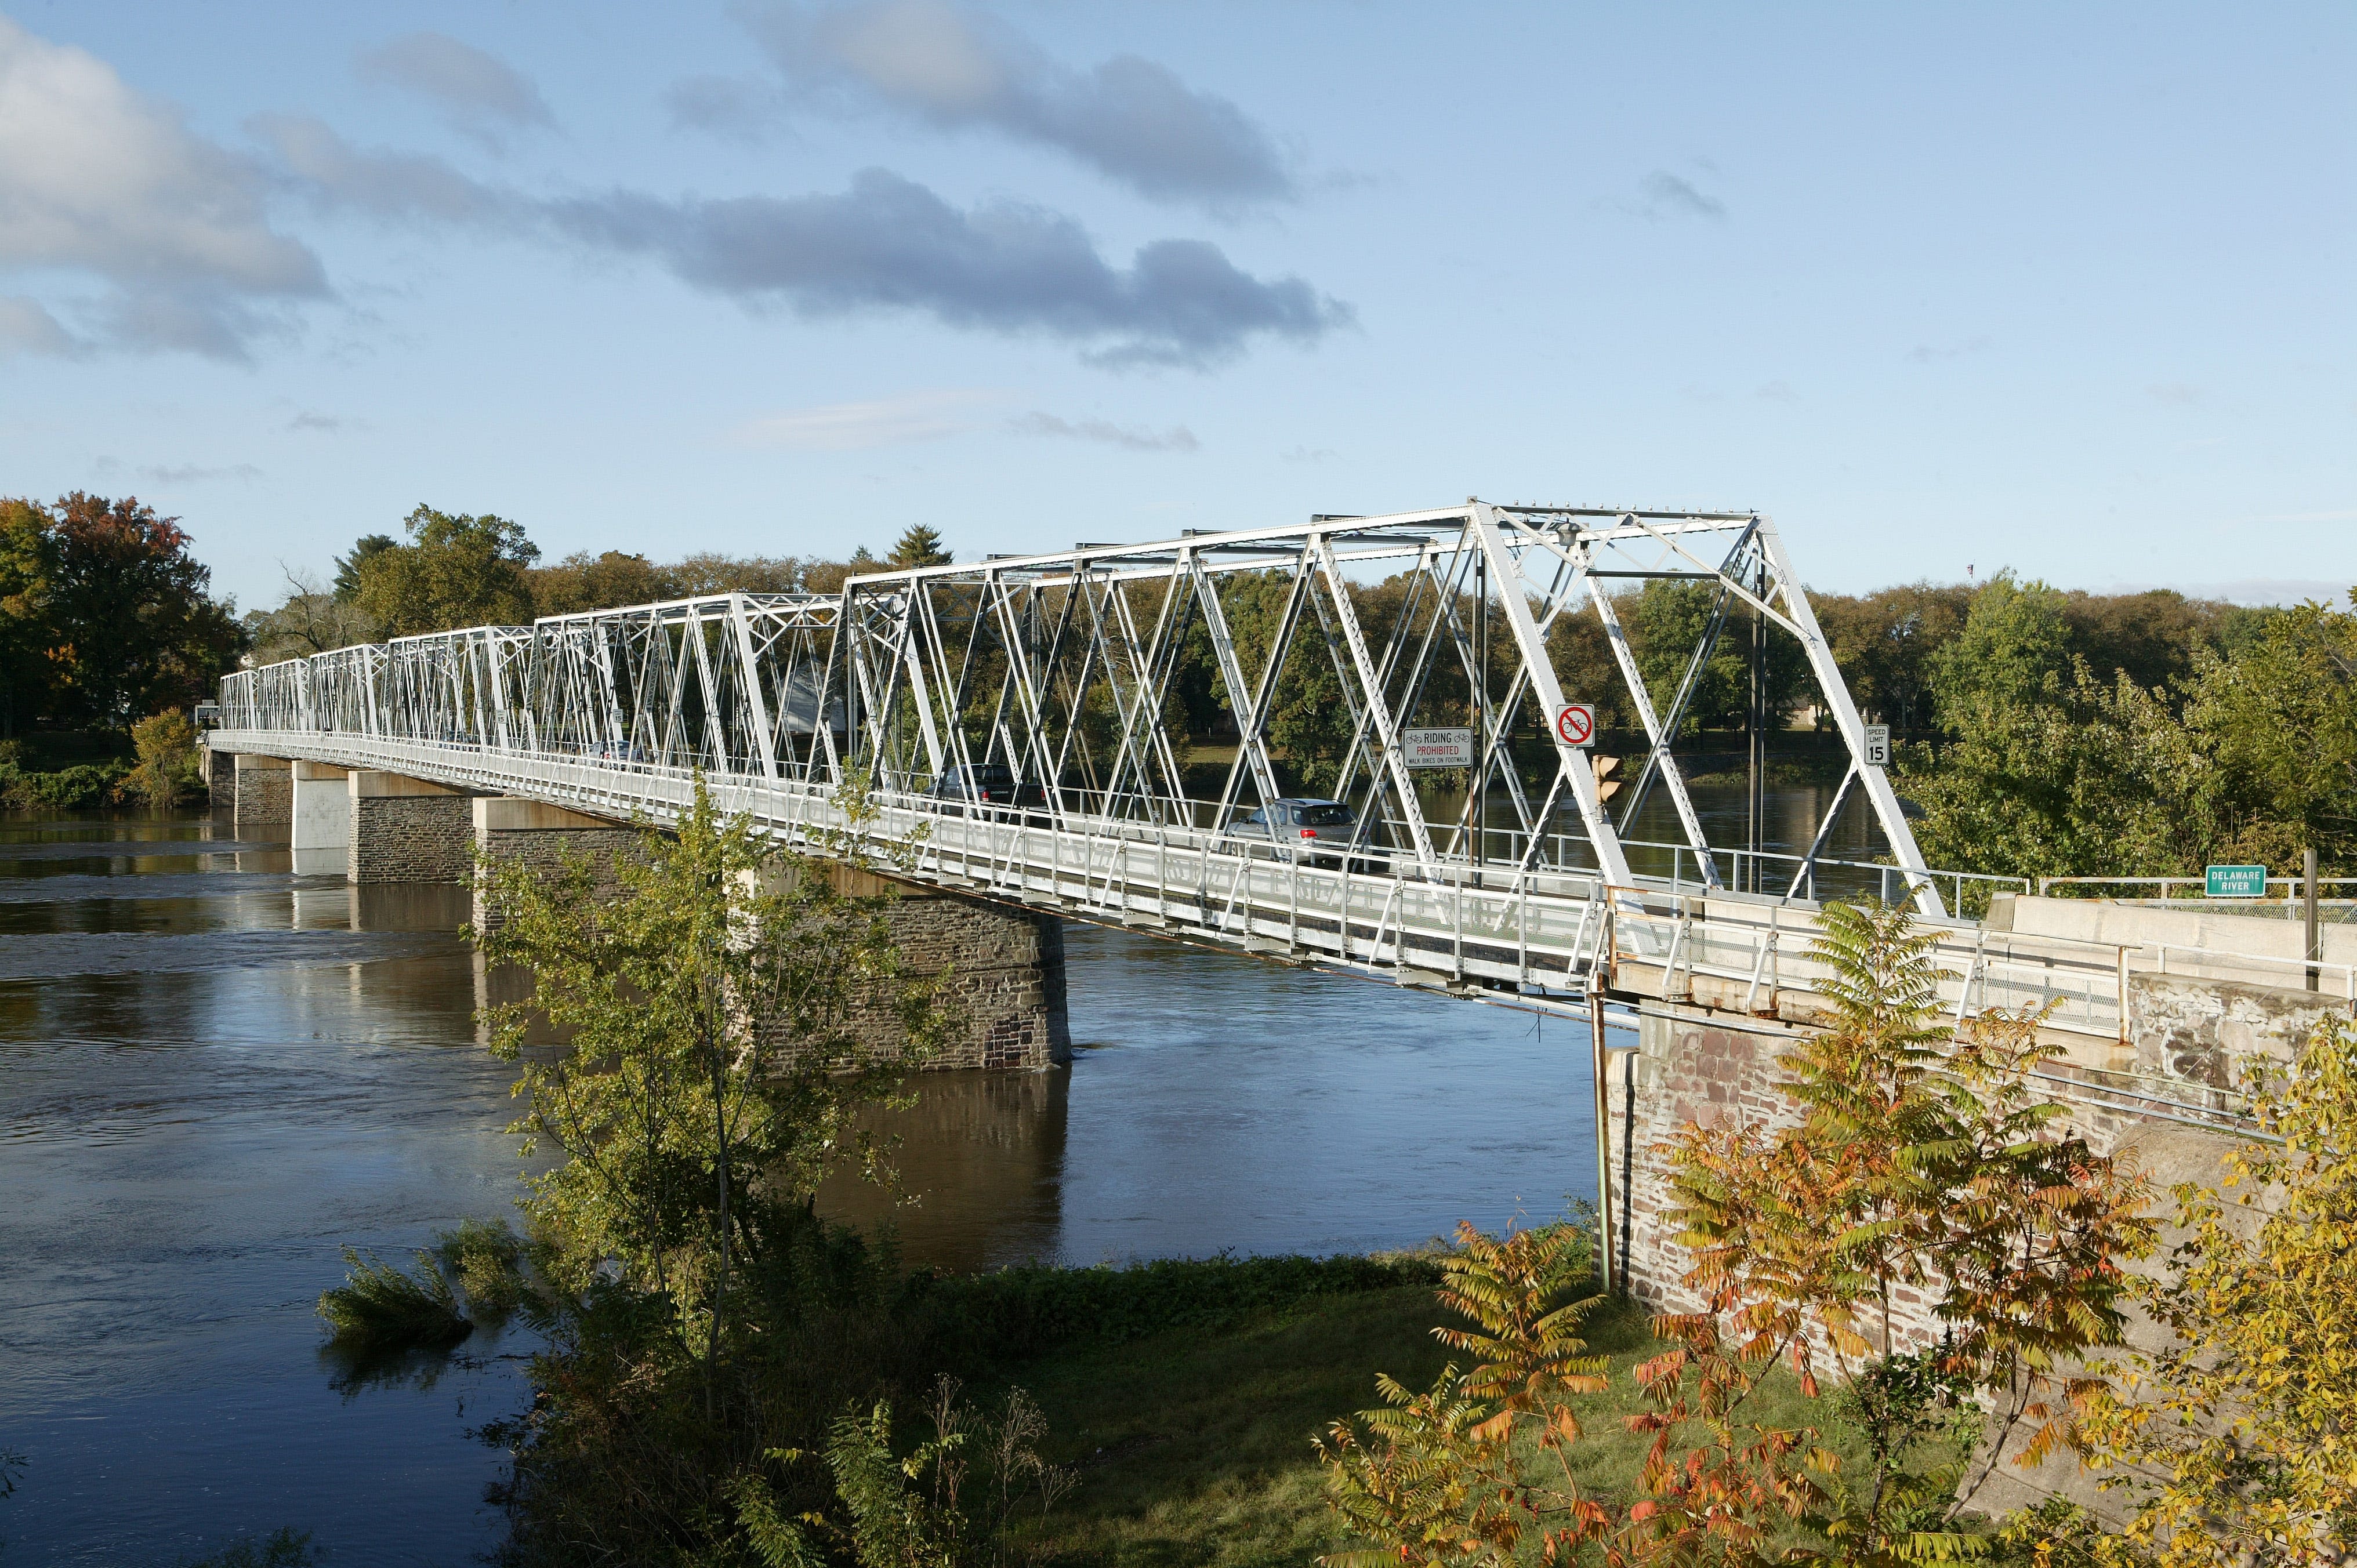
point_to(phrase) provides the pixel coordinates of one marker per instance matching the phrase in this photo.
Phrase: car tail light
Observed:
(1309, 832)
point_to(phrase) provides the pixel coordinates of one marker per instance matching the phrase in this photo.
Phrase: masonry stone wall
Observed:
(265, 792)
(547, 848)
(220, 778)
(1006, 980)
(2191, 1040)
(412, 838)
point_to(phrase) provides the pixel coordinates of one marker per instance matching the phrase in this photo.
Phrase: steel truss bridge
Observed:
(1063, 668)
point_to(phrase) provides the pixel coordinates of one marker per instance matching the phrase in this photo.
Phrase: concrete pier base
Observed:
(321, 825)
(220, 779)
(265, 793)
(406, 830)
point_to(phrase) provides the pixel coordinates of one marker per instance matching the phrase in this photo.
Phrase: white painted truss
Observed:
(1059, 667)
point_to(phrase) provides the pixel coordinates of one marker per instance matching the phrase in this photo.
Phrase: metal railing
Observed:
(2046, 883)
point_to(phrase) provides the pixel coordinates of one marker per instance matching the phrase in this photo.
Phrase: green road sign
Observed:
(2234, 882)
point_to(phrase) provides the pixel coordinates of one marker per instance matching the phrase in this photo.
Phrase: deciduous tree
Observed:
(126, 623)
(713, 1066)
(2237, 1440)
(456, 570)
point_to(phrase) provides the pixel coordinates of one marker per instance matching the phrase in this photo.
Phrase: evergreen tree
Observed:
(920, 546)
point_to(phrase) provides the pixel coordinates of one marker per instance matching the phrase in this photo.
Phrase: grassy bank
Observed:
(1182, 1397)
(1194, 1448)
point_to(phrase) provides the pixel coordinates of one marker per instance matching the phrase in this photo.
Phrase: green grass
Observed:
(1194, 1448)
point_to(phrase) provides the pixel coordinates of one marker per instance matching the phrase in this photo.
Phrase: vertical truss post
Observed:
(749, 664)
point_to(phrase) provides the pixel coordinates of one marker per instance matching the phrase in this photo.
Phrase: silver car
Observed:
(1297, 819)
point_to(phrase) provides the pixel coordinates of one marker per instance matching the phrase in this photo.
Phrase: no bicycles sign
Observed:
(1574, 724)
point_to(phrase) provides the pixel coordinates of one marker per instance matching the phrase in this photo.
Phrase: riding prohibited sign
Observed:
(1436, 747)
(1574, 724)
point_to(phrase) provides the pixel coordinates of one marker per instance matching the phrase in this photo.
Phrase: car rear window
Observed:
(1327, 817)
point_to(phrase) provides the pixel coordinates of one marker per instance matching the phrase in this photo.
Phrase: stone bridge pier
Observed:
(2154, 1098)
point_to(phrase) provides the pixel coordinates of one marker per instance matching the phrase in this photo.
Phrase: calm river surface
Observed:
(215, 1075)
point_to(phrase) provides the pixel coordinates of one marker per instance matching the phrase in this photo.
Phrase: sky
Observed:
(1942, 289)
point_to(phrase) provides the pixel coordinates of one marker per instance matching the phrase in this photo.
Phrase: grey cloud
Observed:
(1128, 118)
(1178, 438)
(99, 182)
(326, 424)
(890, 243)
(480, 95)
(27, 327)
(731, 107)
(394, 186)
(1667, 196)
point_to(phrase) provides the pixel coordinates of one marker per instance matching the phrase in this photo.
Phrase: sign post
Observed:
(2234, 882)
(1574, 724)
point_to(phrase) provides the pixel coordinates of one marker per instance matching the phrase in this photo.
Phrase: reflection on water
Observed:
(210, 1082)
(215, 1073)
(1221, 1102)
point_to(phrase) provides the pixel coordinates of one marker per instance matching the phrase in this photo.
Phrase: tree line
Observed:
(105, 616)
(453, 569)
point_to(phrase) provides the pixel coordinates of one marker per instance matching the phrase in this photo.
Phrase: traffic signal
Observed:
(1606, 785)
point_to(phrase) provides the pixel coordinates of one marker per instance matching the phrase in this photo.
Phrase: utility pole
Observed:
(1603, 1066)
(2315, 935)
(1756, 799)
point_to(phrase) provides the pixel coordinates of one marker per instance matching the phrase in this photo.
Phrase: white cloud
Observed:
(858, 426)
(98, 183)
(393, 185)
(890, 243)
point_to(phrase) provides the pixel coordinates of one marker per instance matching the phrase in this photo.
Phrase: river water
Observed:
(215, 1075)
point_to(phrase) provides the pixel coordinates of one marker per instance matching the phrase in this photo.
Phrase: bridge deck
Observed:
(1542, 937)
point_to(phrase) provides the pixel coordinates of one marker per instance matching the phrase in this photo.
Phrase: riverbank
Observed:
(1178, 1406)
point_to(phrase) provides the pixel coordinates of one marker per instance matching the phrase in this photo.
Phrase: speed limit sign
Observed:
(1574, 724)
(1877, 746)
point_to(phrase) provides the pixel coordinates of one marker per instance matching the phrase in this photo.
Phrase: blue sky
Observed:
(2066, 289)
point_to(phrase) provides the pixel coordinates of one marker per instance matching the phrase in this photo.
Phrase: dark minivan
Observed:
(985, 784)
